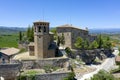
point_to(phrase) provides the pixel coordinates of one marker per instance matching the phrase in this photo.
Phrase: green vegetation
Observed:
(62, 39)
(79, 43)
(103, 75)
(30, 34)
(70, 76)
(28, 75)
(68, 51)
(9, 40)
(119, 51)
(22, 50)
(53, 30)
(31, 72)
(58, 41)
(100, 42)
(93, 45)
(114, 39)
(20, 36)
(115, 70)
(50, 68)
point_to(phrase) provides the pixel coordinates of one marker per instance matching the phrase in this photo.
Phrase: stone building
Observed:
(43, 46)
(71, 33)
(7, 53)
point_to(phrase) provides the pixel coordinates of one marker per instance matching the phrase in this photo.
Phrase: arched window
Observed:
(39, 29)
(44, 29)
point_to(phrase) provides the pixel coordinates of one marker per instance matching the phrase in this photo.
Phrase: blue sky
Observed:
(80, 13)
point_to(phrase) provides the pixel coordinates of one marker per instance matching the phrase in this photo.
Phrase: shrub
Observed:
(103, 75)
(70, 76)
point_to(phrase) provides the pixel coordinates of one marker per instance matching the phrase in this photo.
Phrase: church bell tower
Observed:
(41, 38)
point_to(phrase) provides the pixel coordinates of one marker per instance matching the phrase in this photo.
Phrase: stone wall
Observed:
(9, 71)
(33, 64)
(52, 76)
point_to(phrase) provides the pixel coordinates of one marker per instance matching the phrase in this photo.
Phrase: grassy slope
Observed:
(9, 36)
(9, 40)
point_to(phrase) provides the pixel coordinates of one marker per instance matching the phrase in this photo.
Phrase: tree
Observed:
(53, 30)
(86, 44)
(30, 33)
(106, 43)
(93, 45)
(79, 43)
(62, 39)
(68, 51)
(100, 41)
(58, 41)
(20, 36)
(70, 76)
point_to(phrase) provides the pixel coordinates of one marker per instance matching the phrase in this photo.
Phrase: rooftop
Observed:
(40, 22)
(24, 56)
(70, 26)
(10, 51)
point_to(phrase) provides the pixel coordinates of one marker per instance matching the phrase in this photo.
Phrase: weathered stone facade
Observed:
(43, 46)
(71, 33)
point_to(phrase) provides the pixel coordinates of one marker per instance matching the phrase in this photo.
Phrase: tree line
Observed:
(100, 42)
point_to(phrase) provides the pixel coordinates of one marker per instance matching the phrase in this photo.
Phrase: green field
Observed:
(9, 40)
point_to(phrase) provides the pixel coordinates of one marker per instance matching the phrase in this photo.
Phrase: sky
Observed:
(97, 14)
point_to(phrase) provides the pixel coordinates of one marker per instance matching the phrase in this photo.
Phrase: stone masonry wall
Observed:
(33, 64)
(52, 76)
(9, 71)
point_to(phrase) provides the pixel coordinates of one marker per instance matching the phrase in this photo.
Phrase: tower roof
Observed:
(40, 22)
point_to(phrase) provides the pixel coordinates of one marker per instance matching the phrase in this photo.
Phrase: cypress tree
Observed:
(20, 36)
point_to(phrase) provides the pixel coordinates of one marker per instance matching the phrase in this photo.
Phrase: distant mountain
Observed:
(10, 30)
(105, 31)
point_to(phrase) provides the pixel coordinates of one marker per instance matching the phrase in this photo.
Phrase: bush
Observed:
(103, 75)
(70, 76)
(49, 68)
(22, 77)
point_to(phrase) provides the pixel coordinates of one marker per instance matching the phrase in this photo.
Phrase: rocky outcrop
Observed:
(88, 56)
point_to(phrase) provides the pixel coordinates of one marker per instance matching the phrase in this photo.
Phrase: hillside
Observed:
(9, 36)
(105, 31)
(10, 30)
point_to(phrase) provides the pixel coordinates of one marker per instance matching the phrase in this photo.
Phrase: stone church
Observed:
(44, 45)
(71, 33)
